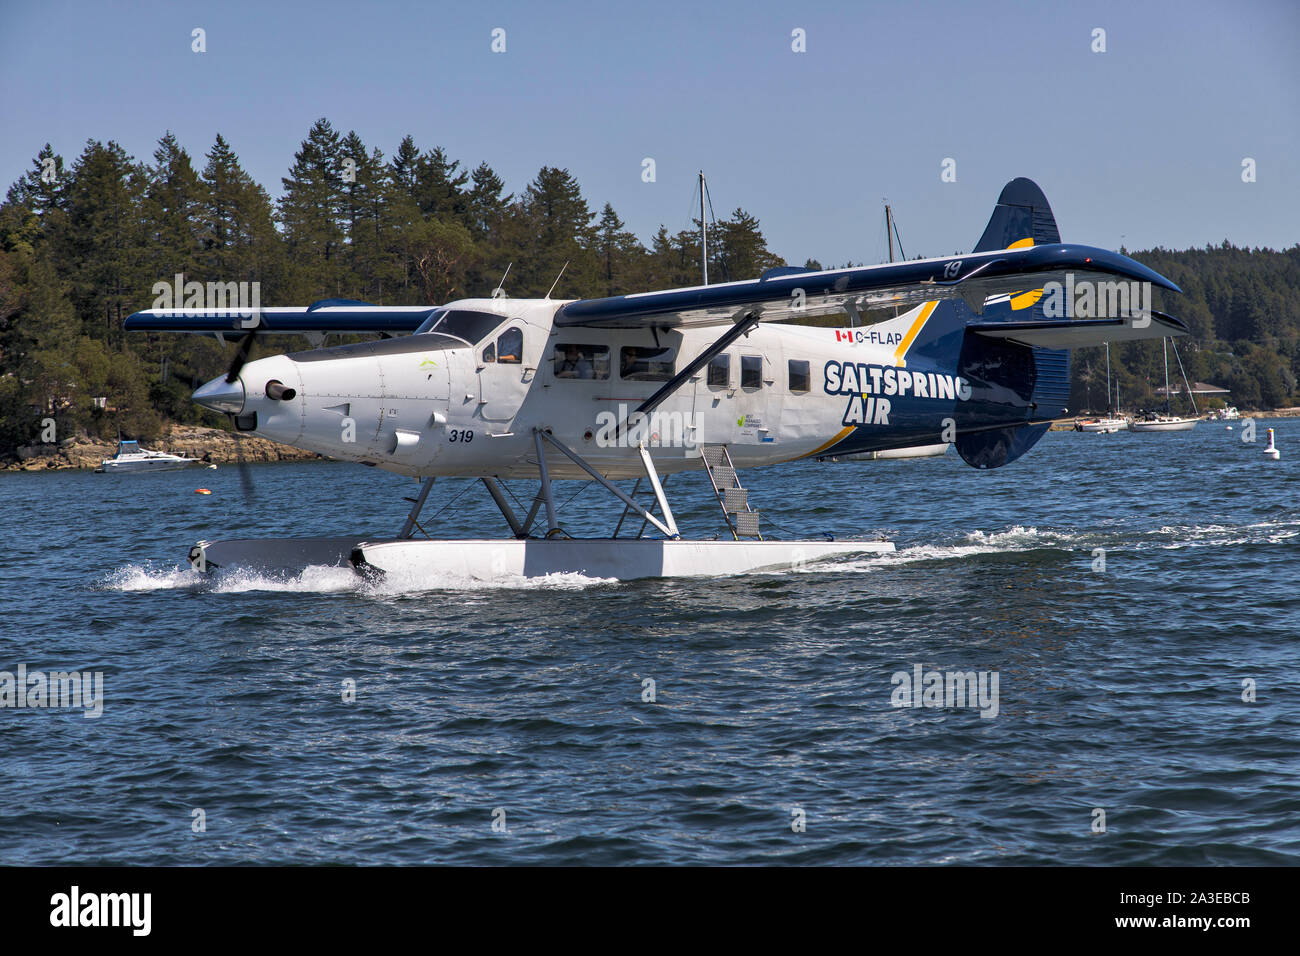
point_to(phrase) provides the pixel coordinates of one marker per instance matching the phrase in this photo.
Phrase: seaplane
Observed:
(636, 388)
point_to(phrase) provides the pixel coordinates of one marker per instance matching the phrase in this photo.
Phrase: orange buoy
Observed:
(202, 491)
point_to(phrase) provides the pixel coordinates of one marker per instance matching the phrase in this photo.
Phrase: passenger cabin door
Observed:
(737, 400)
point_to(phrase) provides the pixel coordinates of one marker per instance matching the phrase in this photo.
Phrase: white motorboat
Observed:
(131, 457)
(1104, 425)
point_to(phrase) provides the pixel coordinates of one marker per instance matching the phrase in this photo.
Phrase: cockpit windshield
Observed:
(464, 324)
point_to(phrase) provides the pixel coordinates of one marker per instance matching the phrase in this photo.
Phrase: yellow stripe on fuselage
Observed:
(843, 434)
(901, 352)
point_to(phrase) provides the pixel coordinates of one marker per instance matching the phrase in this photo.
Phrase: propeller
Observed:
(245, 475)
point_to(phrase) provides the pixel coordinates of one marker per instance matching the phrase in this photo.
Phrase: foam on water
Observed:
(320, 579)
(135, 577)
(412, 582)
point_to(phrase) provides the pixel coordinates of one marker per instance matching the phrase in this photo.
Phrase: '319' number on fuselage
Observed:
(460, 434)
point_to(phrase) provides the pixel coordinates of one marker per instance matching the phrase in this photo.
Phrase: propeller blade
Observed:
(241, 355)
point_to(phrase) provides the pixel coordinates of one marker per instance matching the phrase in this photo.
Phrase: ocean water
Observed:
(508, 722)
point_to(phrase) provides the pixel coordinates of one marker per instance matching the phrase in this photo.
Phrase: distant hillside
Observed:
(1243, 309)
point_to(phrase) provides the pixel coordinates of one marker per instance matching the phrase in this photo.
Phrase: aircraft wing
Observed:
(784, 294)
(1081, 333)
(329, 315)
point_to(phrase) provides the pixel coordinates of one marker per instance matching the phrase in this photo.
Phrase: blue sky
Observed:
(1140, 145)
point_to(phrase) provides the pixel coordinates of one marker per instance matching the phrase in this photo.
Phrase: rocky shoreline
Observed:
(208, 444)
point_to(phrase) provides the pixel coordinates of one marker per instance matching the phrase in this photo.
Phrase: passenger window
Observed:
(720, 371)
(490, 353)
(751, 371)
(800, 377)
(646, 364)
(573, 360)
(510, 347)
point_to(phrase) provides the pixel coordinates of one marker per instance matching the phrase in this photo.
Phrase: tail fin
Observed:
(1038, 379)
(1022, 213)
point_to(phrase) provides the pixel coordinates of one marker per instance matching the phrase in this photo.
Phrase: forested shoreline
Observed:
(83, 243)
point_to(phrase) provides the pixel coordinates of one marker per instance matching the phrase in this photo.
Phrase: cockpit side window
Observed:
(490, 353)
(510, 346)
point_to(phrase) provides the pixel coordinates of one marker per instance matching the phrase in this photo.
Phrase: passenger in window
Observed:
(573, 365)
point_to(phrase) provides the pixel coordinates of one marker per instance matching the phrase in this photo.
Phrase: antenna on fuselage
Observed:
(557, 279)
(500, 291)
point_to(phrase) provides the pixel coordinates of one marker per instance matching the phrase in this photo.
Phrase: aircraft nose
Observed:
(221, 396)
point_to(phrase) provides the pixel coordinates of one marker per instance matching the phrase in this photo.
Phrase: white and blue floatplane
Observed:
(711, 379)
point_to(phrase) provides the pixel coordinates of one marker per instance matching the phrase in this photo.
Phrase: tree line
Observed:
(82, 245)
(1242, 307)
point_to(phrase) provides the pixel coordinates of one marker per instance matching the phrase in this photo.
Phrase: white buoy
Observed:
(1271, 451)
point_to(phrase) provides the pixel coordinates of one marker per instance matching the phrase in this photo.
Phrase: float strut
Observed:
(495, 491)
(416, 508)
(552, 524)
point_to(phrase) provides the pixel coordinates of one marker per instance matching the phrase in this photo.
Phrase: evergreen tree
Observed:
(237, 230)
(738, 250)
(173, 210)
(440, 187)
(558, 229)
(43, 188)
(405, 165)
(621, 255)
(312, 213)
(99, 247)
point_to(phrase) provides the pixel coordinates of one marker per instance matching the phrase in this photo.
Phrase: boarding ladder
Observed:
(742, 520)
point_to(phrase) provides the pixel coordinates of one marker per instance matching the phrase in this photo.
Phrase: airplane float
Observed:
(712, 378)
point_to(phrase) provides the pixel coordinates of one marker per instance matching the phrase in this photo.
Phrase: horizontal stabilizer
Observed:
(1081, 333)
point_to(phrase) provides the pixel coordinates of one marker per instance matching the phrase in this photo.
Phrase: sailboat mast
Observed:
(1108, 379)
(889, 231)
(1165, 343)
(704, 234)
